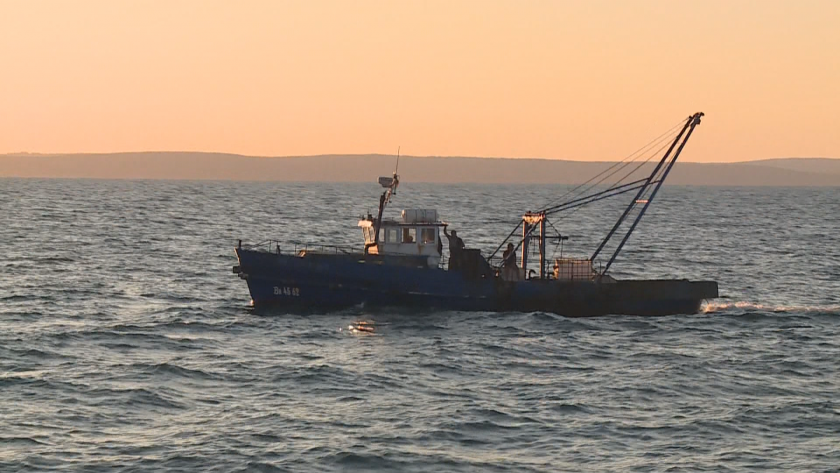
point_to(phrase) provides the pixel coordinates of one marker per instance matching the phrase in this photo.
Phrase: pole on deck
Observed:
(542, 247)
(526, 229)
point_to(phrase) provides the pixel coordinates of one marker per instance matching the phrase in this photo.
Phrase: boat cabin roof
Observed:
(396, 223)
(408, 218)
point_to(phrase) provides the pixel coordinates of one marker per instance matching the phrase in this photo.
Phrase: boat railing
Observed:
(564, 269)
(286, 248)
(496, 262)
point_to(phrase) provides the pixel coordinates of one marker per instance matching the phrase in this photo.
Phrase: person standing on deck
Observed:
(510, 271)
(456, 244)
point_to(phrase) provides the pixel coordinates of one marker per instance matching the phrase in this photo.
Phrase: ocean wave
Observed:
(171, 369)
(132, 398)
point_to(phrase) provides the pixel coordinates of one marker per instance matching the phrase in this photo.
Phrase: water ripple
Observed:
(127, 345)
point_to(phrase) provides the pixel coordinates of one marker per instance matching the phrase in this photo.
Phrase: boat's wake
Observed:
(745, 306)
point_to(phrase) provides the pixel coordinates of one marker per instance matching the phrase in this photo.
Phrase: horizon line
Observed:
(30, 153)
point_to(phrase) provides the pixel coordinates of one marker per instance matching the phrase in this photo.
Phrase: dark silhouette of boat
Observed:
(402, 262)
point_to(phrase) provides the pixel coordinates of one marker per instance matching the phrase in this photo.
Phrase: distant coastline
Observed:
(365, 168)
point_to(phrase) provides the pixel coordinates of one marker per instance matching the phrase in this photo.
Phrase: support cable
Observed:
(640, 150)
(653, 154)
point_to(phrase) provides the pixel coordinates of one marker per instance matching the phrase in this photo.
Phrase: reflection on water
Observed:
(362, 327)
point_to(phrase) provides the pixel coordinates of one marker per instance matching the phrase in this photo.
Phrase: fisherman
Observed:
(510, 271)
(407, 238)
(456, 244)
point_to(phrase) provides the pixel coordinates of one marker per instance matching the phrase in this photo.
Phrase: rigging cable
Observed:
(663, 138)
(667, 135)
(642, 149)
(613, 187)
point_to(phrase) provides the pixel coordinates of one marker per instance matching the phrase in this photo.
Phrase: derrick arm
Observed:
(641, 190)
(693, 121)
(647, 186)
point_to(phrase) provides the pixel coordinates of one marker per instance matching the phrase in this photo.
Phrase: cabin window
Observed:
(427, 235)
(393, 236)
(409, 235)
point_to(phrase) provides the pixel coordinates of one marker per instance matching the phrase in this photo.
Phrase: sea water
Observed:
(126, 343)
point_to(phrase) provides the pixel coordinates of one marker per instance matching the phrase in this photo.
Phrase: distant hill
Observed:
(366, 168)
(815, 165)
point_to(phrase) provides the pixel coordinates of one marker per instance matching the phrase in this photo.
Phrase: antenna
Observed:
(396, 181)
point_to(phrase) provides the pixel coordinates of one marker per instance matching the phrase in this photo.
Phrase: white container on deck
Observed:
(419, 216)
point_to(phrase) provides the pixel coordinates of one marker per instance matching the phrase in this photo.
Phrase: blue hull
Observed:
(328, 282)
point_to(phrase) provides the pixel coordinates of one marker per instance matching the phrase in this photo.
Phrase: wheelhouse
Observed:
(416, 233)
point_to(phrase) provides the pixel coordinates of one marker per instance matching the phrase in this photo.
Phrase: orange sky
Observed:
(589, 80)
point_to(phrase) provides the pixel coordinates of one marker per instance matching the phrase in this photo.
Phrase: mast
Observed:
(532, 221)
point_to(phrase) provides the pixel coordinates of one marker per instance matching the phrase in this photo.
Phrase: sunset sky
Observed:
(589, 80)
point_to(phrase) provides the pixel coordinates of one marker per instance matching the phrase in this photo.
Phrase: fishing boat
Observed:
(402, 262)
